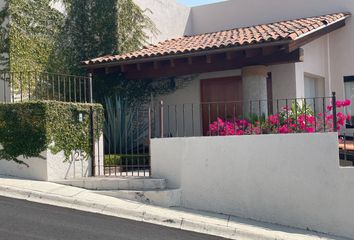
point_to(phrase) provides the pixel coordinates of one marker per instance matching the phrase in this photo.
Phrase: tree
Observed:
(28, 31)
(94, 28)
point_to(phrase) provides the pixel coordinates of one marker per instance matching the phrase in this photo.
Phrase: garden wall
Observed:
(48, 140)
(50, 167)
(292, 179)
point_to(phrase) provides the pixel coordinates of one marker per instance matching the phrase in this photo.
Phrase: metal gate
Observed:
(127, 133)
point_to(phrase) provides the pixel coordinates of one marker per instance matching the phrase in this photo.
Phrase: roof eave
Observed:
(184, 55)
(289, 44)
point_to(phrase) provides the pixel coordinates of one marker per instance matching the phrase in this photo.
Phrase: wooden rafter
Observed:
(219, 63)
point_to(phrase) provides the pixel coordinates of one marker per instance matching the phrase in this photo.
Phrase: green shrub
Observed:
(28, 128)
(126, 159)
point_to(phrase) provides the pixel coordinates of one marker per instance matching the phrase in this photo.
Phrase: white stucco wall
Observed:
(236, 13)
(292, 180)
(283, 81)
(171, 18)
(51, 167)
(36, 171)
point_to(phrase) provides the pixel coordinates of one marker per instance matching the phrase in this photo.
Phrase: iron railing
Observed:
(33, 85)
(244, 117)
(127, 135)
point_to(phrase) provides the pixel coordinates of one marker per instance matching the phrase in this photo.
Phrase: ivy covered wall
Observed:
(37, 36)
(28, 128)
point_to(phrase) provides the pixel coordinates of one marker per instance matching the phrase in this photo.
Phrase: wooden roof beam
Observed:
(220, 63)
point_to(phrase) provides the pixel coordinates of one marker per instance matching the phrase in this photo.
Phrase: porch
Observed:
(237, 81)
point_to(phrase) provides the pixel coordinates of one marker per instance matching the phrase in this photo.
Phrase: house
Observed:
(278, 50)
(239, 59)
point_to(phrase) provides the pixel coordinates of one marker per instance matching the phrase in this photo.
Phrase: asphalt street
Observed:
(26, 220)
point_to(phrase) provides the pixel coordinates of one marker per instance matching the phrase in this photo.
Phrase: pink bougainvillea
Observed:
(278, 123)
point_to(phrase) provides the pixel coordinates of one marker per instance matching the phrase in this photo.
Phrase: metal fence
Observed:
(245, 117)
(33, 85)
(128, 130)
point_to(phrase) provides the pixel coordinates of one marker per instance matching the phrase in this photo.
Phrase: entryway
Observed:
(220, 98)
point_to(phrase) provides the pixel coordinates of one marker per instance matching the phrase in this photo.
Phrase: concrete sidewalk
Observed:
(196, 221)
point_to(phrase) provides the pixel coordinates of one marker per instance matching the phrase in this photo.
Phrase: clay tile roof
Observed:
(272, 32)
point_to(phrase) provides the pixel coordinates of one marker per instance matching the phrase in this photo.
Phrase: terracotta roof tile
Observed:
(272, 32)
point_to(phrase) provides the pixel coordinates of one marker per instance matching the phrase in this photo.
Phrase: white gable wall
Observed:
(172, 19)
(240, 13)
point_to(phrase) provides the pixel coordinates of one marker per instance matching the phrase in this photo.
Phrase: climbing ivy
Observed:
(29, 128)
(35, 35)
(94, 28)
(32, 28)
(133, 26)
(39, 37)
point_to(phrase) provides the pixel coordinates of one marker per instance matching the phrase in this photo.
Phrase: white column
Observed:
(254, 85)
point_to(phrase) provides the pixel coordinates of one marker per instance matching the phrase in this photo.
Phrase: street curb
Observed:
(142, 214)
(131, 214)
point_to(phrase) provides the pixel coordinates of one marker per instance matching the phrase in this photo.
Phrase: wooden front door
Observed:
(219, 98)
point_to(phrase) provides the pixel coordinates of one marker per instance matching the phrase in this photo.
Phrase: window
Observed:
(314, 89)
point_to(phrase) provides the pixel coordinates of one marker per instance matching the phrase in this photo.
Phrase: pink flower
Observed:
(310, 130)
(346, 102)
(273, 120)
(341, 119)
(241, 123)
(339, 104)
(310, 119)
(283, 129)
(329, 108)
(240, 132)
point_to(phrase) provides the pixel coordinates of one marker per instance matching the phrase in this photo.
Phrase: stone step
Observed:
(116, 183)
(163, 198)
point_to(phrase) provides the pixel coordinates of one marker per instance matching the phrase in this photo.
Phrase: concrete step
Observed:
(116, 183)
(163, 198)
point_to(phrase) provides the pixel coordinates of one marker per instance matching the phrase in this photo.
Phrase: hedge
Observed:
(28, 128)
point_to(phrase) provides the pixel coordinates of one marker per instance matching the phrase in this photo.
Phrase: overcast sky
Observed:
(197, 2)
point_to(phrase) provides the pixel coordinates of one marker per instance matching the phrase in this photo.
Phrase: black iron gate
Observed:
(126, 134)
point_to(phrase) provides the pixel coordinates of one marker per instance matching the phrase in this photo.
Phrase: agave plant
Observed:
(124, 130)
